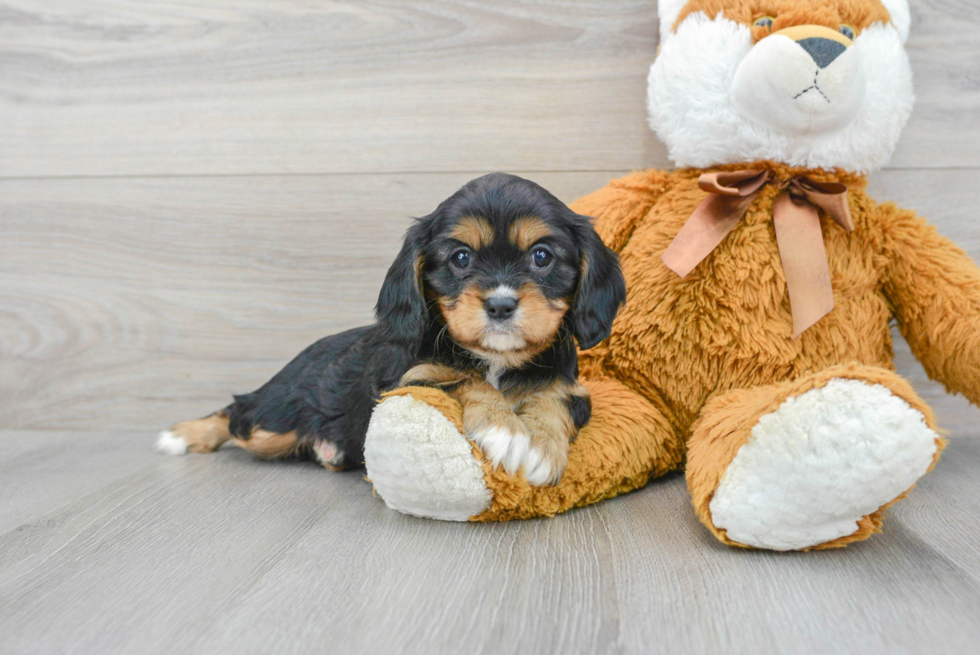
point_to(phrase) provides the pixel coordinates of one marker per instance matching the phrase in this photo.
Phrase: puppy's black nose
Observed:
(824, 51)
(500, 308)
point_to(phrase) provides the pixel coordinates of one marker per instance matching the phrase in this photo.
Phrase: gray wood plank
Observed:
(942, 510)
(221, 552)
(91, 87)
(150, 561)
(546, 586)
(138, 302)
(235, 86)
(40, 470)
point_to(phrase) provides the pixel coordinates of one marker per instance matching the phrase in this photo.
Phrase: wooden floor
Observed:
(191, 191)
(105, 548)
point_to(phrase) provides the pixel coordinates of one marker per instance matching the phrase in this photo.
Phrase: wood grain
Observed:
(238, 86)
(110, 87)
(225, 553)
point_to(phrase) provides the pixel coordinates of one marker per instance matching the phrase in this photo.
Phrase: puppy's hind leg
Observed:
(266, 444)
(203, 435)
(330, 455)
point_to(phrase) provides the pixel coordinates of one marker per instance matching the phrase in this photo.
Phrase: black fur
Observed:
(330, 389)
(601, 289)
(580, 409)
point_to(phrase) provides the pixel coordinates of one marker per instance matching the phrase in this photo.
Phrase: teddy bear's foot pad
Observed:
(420, 464)
(819, 463)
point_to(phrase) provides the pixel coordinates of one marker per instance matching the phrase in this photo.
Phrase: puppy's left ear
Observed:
(601, 287)
(401, 310)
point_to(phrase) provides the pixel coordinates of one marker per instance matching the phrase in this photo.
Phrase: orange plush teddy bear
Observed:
(754, 348)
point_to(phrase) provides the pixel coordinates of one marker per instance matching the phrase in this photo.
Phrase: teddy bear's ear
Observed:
(668, 11)
(901, 18)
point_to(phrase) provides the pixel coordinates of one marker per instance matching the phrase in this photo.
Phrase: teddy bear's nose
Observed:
(823, 51)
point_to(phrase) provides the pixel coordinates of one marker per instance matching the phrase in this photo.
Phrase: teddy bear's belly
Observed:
(728, 324)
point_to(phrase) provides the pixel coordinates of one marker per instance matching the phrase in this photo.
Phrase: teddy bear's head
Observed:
(815, 83)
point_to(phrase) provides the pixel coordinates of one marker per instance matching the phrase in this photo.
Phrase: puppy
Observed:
(484, 300)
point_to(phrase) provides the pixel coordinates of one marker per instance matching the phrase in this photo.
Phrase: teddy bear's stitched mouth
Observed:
(813, 87)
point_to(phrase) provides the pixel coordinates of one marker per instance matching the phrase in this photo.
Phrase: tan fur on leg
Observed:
(545, 413)
(268, 445)
(432, 374)
(489, 421)
(484, 407)
(203, 435)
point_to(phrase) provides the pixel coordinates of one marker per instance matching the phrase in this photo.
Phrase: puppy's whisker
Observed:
(439, 337)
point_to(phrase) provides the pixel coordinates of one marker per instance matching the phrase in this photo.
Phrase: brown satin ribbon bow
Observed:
(798, 235)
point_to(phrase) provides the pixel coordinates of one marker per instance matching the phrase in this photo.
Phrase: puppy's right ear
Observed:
(401, 311)
(601, 287)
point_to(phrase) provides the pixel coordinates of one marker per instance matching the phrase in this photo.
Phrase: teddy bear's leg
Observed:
(420, 463)
(810, 463)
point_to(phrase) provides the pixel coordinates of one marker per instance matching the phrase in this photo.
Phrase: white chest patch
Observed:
(493, 375)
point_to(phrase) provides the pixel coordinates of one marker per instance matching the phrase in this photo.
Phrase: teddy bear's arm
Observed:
(935, 290)
(622, 204)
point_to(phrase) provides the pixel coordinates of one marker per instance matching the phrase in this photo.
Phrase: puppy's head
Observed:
(504, 264)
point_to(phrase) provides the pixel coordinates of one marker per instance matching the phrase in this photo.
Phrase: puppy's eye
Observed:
(847, 31)
(460, 259)
(541, 258)
(763, 21)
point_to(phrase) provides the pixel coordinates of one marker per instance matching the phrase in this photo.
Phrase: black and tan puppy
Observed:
(485, 300)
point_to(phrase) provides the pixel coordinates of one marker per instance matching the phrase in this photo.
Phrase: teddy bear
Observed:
(754, 350)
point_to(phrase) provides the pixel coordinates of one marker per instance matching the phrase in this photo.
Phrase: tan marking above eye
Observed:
(473, 231)
(528, 230)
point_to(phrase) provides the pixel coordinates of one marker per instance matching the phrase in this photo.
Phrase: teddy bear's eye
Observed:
(847, 31)
(763, 21)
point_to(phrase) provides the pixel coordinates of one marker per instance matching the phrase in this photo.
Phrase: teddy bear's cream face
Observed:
(823, 84)
(801, 80)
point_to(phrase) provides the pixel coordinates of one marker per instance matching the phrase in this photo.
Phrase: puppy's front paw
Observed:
(503, 444)
(545, 463)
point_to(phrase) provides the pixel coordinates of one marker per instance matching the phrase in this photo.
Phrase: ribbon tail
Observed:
(711, 222)
(830, 197)
(804, 260)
